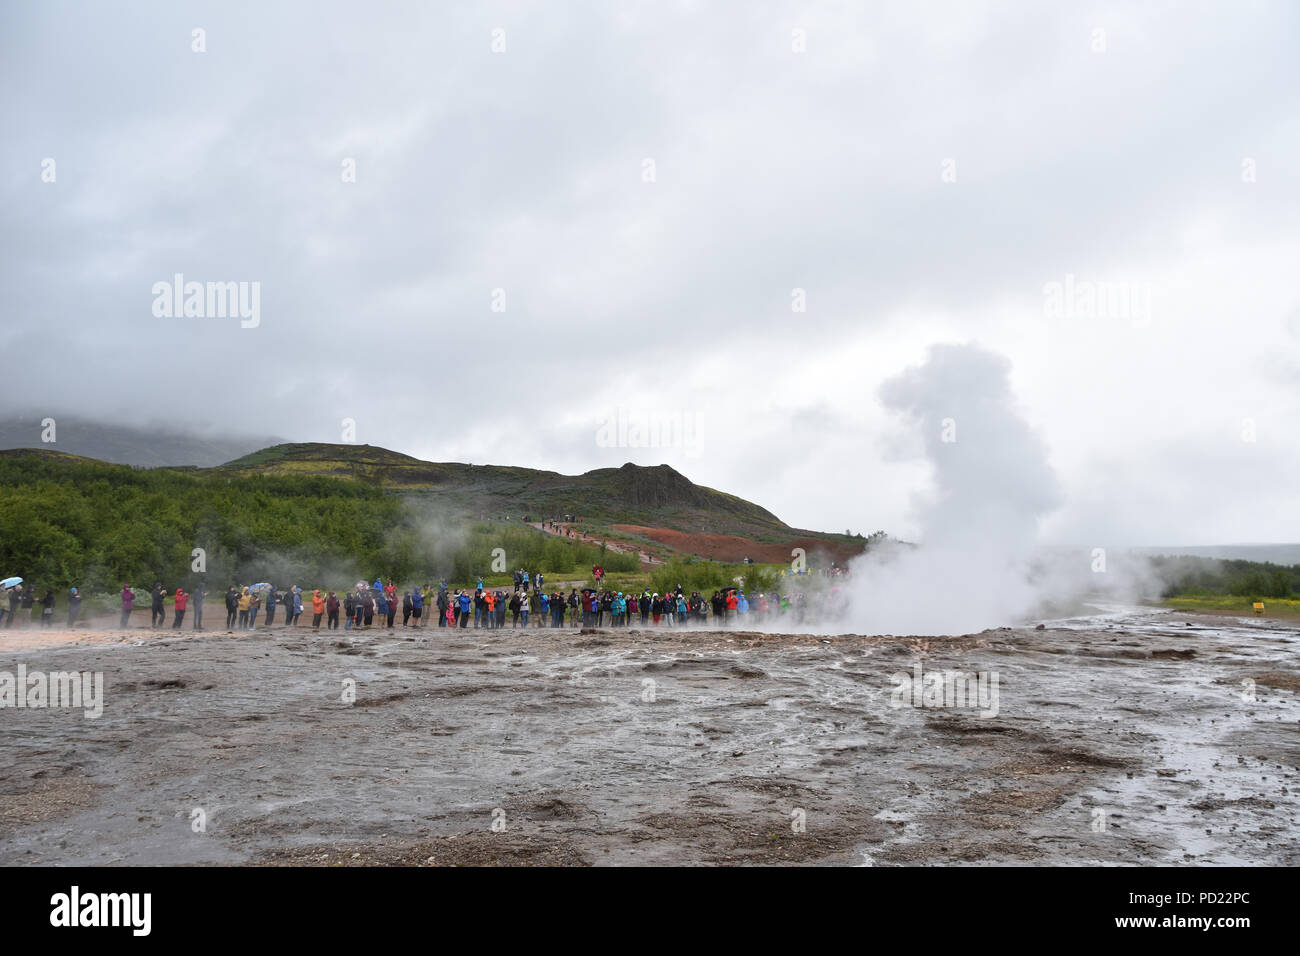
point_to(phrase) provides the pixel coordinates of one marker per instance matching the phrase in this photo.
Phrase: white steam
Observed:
(979, 563)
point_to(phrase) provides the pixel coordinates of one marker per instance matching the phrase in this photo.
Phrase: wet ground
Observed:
(1142, 737)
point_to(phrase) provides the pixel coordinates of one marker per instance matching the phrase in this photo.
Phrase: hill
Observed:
(334, 513)
(656, 496)
(126, 443)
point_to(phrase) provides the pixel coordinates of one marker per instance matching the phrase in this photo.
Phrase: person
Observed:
(444, 605)
(349, 610)
(180, 602)
(417, 606)
(514, 609)
(464, 608)
(128, 602)
(656, 606)
(381, 603)
(271, 597)
(332, 612)
(730, 606)
(29, 601)
(232, 606)
(392, 605)
(254, 605)
(74, 606)
(543, 607)
(368, 605)
(242, 605)
(157, 614)
(47, 608)
(196, 598)
(317, 608)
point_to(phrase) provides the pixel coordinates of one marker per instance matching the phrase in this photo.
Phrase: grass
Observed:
(1286, 608)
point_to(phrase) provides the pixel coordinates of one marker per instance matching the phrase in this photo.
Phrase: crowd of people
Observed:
(18, 608)
(529, 603)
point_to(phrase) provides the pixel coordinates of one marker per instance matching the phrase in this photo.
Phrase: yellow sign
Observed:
(1259, 607)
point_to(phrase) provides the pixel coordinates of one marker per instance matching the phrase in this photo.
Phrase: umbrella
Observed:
(9, 583)
(260, 587)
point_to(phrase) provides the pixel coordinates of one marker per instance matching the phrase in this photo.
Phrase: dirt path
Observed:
(647, 559)
(1158, 742)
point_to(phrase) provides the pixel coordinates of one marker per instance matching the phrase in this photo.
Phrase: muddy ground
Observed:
(1149, 737)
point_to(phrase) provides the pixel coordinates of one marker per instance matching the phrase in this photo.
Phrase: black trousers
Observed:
(180, 616)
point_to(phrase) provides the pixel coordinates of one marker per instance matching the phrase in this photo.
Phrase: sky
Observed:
(567, 236)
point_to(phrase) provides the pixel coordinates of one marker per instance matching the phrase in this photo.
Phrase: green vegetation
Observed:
(1187, 576)
(707, 576)
(67, 521)
(1273, 607)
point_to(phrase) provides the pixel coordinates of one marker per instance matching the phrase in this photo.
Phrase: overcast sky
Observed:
(649, 183)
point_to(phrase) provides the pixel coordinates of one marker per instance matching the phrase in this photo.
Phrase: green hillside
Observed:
(329, 514)
(656, 495)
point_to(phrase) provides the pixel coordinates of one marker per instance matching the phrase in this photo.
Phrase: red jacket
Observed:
(182, 599)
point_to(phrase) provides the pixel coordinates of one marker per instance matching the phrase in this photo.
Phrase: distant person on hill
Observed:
(47, 608)
(332, 612)
(232, 606)
(128, 602)
(74, 606)
(157, 613)
(196, 598)
(180, 601)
